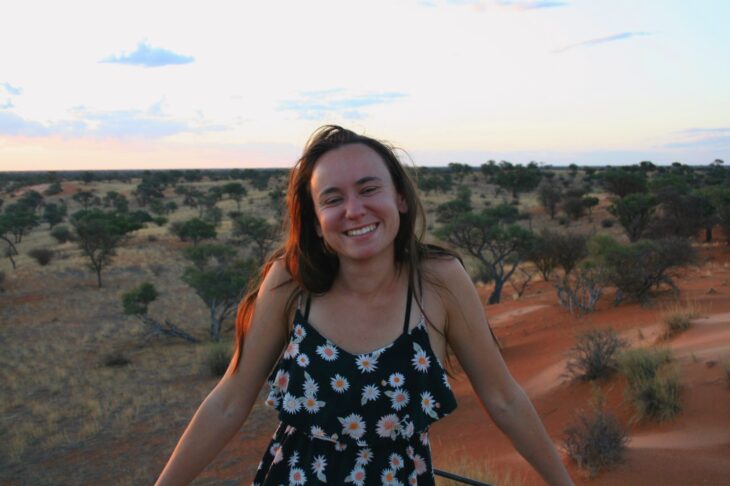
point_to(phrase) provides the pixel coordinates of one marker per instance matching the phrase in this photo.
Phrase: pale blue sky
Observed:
(97, 85)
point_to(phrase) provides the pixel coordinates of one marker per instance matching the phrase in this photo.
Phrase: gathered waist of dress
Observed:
(341, 441)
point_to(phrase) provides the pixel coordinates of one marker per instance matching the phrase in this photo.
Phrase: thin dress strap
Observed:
(408, 309)
(306, 307)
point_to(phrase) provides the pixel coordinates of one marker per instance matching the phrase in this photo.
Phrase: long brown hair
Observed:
(304, 254)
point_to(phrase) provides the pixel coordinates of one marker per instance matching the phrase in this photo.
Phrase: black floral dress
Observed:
(354, 419)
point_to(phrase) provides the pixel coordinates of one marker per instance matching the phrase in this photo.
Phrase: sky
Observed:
(90, 85)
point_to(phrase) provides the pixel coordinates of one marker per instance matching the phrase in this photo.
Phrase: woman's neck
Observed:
(368, 277)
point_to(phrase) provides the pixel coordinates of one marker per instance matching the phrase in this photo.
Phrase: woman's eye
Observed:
(331, 201)
(369, 189)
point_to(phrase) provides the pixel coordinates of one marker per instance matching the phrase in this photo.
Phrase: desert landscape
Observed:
(97, 387)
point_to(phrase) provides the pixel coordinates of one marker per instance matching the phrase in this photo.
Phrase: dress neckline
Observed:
(300, 319)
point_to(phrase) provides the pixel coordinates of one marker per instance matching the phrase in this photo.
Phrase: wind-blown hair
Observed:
(304, 254)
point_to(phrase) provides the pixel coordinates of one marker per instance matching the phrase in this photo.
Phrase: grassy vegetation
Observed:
(653, 387)
(477, 468)
(678, 317)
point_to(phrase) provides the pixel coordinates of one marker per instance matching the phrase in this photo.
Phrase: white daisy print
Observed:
(427, 404)
(281, 380)
(399, 398)
(424, 438)
(395, 461)
(420, 360)
(409, 452)
(387, 477)
(303, 360)
(353, 425)
(387, 426)
(366, 363)
(446, 381)
(292, 349)
(297, 476)
(356, 476)
(318, 466)
(289, 430)
(299, 332)
(419, 464)
(293, 459)
(413, 479)
(327, 352)
(364, 456)
(339, 383)
(396, 380)
(407, 431)
(369, 393)
(316, 431)
(291, 403)
(311, 404)
(340, 446)
(311, 387)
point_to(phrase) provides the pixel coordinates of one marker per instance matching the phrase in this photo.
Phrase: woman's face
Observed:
(356, 203)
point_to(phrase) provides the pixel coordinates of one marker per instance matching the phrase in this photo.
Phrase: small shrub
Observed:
(595, 355)
(596, 441)
(116, 359)
(62, 234)
(607, 223)
(42, 255)
(654, 391)
(152, 238)
(678, 318)
(218, 356)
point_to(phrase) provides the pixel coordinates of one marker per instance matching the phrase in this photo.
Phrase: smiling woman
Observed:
(356, 376)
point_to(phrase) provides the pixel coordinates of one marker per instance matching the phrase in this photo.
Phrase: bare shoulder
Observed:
(446, 272)
(277, 290)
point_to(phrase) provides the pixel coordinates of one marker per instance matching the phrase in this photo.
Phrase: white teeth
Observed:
(361, 231)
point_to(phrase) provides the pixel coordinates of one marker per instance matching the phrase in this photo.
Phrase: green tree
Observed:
(219, 281)
(517, 178)
(31, 199)
(493, 239)
(634, 213)
(85, 198)
(19, 219)
(53, 214)
(194, 230)
(98, 234)
(549, 196)
(235, 191)
(461, 204)
(257, 231)
(623, 182)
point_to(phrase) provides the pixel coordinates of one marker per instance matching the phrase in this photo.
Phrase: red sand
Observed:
(536, 333)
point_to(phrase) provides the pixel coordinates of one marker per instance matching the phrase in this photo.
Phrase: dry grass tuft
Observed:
(480, 469)
(678, 317)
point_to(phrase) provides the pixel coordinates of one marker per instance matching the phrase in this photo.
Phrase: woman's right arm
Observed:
(227, 406)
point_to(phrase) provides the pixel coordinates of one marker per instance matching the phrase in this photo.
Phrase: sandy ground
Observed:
(692, 449)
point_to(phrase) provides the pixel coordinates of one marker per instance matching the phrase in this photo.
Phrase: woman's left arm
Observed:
(469, 336)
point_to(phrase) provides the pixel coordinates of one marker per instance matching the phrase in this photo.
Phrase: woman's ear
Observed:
(402, 204)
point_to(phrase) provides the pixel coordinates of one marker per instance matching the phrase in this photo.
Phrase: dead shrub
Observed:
(595, 355)
(597, 440)
(218, 357)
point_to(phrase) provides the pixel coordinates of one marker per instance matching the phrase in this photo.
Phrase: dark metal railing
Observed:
(456, 477)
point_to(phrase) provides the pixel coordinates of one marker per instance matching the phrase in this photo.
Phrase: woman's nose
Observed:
(354, 208)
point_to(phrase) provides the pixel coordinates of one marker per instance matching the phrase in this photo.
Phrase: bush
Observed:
(218, 357)
(607, 223)
(116, 359)
(595, 354)
(62, 234)
(676, 323)
(652, 390)
(596, 441)
(42, 255)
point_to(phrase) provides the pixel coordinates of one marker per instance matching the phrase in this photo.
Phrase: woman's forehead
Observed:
(348, 165)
